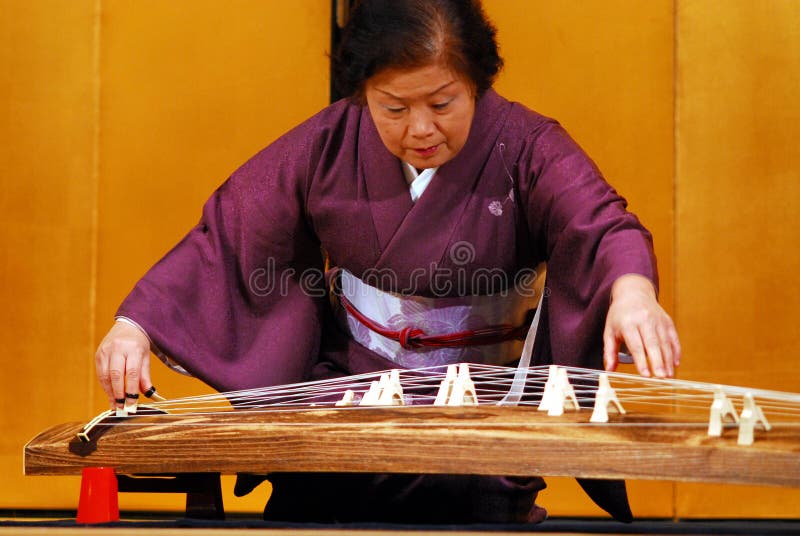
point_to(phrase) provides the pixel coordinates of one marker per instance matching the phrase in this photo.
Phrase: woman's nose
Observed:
(420, 124)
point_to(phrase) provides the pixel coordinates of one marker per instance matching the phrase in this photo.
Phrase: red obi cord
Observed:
(409, 337)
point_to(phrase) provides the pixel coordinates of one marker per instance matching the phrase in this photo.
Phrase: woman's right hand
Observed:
(122, 362)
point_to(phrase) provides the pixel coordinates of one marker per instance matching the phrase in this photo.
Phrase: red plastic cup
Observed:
(99, 501)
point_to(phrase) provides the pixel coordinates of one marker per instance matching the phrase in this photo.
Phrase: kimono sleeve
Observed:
(238, 302)
(588, 238)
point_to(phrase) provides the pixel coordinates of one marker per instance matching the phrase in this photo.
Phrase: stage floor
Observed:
(63, 523)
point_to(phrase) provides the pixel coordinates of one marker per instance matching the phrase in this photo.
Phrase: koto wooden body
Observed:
(474, 440)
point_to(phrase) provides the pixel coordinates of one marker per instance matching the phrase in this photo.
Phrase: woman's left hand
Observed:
(636, 319)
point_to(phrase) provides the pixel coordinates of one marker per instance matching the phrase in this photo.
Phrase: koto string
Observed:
(673, 388)
(518, 386)
(493, 384)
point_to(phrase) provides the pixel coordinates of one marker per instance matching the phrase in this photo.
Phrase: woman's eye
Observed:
(441, 105)
(395, 110)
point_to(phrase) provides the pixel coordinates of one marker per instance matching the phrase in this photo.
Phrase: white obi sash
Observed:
(434, 316)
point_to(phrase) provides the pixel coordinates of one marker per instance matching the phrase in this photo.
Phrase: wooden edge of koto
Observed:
(465, 440)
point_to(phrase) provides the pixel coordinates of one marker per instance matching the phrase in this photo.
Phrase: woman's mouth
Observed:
(427, 151)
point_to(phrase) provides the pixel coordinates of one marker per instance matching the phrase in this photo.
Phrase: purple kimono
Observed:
(241, 301)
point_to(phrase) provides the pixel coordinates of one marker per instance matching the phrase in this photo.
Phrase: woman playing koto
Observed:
(430, 199)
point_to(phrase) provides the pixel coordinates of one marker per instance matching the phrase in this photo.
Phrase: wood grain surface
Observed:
(473, 440)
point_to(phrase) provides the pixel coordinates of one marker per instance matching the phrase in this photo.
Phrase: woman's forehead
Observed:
(415, 82)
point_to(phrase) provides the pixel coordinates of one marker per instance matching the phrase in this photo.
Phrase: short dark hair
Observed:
(411, 33)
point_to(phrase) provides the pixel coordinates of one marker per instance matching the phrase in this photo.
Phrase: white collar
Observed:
(417, 181)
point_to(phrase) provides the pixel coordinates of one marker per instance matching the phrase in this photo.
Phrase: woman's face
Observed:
(423, 114)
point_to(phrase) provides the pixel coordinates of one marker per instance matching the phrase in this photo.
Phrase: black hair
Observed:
(384, 34)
